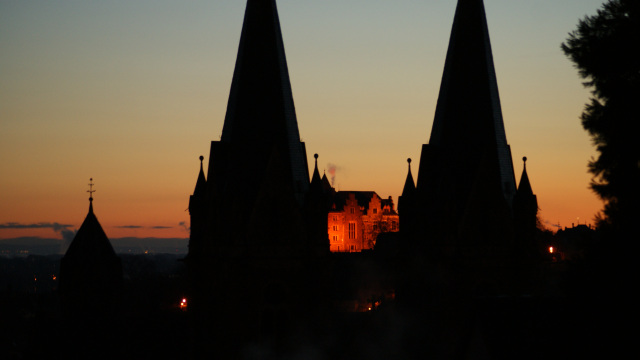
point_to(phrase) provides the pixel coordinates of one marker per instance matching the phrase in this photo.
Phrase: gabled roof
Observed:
(362, 197)
(389, 204)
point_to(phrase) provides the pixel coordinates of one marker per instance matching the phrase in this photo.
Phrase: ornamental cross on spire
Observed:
(91, 191)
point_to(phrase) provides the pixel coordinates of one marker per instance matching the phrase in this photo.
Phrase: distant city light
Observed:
(183, 304)
(550, 249)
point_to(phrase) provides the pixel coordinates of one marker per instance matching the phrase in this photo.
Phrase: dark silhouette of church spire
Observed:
(315, 178)
(525, 205)
(90, 271)
(261, 116)
(408, 191)
(409, 184)
(201, 183)
(468, 123)
(466, 177)
(198, 212)
(406, 203)
(524, 187)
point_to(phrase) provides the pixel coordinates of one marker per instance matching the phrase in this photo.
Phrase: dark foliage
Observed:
(604, 49)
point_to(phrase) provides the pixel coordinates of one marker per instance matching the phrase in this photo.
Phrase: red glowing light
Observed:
(551, 249)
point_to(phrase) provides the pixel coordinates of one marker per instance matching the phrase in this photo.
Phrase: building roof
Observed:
(91, 242)
(362, 197)
(387, 206)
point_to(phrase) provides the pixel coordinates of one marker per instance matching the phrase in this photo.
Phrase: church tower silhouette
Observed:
(90, 271)
(91, 286)
(256, 228)
(466, 184)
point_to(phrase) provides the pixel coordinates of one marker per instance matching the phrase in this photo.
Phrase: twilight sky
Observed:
(130, 93)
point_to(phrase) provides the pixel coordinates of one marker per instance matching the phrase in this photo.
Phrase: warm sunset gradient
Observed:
(132, 92)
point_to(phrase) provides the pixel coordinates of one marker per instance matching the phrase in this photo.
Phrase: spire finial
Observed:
(524, 160)
(91, 191)
(201, 158)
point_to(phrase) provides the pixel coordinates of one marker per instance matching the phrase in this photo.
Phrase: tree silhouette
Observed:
(604, 50)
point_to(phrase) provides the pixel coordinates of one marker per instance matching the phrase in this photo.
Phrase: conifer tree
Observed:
(604, 48)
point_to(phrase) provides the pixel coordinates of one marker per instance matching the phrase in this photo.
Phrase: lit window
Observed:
(352, 230)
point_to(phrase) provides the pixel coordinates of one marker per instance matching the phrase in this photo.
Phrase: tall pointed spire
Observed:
(260, 112)
(465, 177)
(468, 123)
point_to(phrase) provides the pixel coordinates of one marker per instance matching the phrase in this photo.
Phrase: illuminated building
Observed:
(357, 217)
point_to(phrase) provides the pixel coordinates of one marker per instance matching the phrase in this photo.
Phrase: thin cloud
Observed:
(143, 227)
(41, 225)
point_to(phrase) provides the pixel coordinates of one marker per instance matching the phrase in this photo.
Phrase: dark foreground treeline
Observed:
(149, 322)
(576, 311)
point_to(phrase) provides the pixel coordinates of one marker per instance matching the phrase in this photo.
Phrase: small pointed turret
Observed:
(406, 202)
(201, 183)
(315, 179)
(409, 184)
(198, 213)
(524, 187)
(326, 185)
(525, 204)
